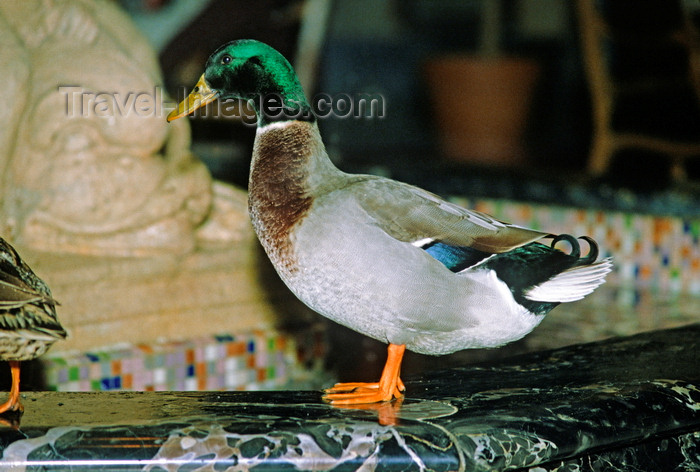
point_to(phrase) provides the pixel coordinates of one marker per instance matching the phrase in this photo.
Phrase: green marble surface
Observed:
(628, 403)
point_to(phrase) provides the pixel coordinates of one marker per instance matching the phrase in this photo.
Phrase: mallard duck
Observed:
(28, 322)
(387, 259)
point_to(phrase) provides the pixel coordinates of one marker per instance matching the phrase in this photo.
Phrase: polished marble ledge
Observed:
(628, 403)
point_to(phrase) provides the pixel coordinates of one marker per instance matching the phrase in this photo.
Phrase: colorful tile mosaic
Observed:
(261, 360)
(649, 251)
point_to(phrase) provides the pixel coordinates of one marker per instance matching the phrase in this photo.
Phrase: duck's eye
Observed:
(226, 59)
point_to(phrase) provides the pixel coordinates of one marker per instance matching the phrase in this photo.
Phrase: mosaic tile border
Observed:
(259, 360)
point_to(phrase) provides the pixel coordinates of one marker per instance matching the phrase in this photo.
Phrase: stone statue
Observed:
(91, 170)
(90, 165)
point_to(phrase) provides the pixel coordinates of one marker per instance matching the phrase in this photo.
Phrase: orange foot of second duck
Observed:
(389, 386)
(13, 403)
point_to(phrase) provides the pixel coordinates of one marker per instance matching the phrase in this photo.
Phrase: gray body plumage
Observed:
(348, 250)
(394, 292)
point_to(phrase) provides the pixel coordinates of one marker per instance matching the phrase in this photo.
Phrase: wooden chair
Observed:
(642, 65)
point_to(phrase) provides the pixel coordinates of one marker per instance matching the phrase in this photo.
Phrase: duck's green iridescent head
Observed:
(250, 70)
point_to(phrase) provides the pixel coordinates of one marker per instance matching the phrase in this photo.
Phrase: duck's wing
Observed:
(15, 293)
(26, 304)
(413, 215)
(18, 283)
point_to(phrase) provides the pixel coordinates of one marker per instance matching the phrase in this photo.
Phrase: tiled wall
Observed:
(649, 252)
(248, 361)
(652, 254)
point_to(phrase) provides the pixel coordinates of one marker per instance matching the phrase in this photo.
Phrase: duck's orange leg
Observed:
(12, 403)
(389, 385)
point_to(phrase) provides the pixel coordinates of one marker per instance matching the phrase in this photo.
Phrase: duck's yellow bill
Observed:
(201, 95)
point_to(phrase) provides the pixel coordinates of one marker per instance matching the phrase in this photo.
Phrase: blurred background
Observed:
(525, 99)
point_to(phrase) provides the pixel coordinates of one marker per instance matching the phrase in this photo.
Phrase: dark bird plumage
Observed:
(28, 322)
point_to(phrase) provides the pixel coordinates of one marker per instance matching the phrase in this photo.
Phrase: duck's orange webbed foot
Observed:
(13, 403)
(389, 386)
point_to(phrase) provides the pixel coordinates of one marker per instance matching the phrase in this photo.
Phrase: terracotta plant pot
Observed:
(481, 106)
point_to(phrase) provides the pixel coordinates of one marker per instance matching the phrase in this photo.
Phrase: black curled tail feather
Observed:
(593, 252)
(575, 246)
(589, 258)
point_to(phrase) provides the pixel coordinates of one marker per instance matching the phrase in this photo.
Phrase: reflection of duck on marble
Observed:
(387, 259)
(28, 323)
